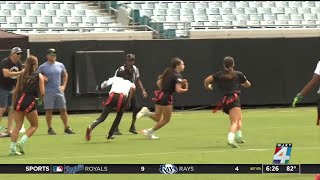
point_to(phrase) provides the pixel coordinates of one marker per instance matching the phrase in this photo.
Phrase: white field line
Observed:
(160, 153)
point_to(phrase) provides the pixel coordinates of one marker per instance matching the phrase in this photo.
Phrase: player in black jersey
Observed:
(230, 82)
(29, 87)
(169, 83)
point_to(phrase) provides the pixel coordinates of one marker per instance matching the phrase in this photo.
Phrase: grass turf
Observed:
(196, 137)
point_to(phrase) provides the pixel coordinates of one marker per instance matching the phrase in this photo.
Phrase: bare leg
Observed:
(166, 112)
(49, 117)
(10, 119)
(2, 110)
(33, 119)
(156, 116)
(235, 116)
(19, 116)
(64, 117)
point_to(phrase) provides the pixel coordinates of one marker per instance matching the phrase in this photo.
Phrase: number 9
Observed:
(142, 168)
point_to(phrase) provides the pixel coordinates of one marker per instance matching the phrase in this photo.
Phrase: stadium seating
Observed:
(164, 16)
(57, 15)
(226, 14)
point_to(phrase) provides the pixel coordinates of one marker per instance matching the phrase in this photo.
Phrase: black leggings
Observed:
(114, 103)
(135, 110)
(135, 107)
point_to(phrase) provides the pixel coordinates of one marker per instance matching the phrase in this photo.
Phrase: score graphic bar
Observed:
(159, 168)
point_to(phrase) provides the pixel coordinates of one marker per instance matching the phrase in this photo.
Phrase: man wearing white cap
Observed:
(11, 68)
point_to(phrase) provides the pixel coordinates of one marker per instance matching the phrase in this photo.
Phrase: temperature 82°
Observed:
(291, 168)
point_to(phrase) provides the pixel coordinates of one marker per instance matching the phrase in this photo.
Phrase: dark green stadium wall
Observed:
(277, 68)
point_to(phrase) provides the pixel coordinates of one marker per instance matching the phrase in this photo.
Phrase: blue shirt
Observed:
(53, 72)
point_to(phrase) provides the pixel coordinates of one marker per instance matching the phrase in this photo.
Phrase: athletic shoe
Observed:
(142, 112)
(133, 130)
(149, 135)
(69, 131)
(51, 131)
(20, 147)
(4, 134)
(22, 130)
(88, 134)
(117, 132)
(111, 137)
(15, 153)
(240, 140)
(233, 144)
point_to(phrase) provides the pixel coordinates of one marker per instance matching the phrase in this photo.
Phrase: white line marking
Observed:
(257, 149)
(164, 153)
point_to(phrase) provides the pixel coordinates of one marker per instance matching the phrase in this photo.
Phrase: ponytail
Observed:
(164, 75)
(30, 67)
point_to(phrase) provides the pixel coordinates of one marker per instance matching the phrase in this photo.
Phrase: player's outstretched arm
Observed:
(307, 88)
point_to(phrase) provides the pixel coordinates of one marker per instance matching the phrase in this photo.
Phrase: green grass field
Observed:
(194, 137)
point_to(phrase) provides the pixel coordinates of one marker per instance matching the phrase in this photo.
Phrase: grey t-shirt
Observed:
(53, 72)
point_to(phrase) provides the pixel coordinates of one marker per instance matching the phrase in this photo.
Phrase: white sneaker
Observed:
(22, 130)
(149, 135)
(143, 112)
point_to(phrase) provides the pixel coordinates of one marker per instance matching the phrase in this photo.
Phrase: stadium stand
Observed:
(29, 16)
(175, 16)
(167, 19)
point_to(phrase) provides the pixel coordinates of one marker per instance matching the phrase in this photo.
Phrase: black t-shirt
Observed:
(229, 86)
(32, 85)
(9, 82)
(169, 83)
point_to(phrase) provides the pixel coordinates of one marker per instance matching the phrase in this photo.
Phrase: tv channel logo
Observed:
(168, 169)
(57, 169)
(282, 153)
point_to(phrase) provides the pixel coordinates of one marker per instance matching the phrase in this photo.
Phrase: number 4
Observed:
(281, 155)
(237, 168)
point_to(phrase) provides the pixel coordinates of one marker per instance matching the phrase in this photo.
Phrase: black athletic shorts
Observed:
(227, 105)
(163, 98)
(25, 103)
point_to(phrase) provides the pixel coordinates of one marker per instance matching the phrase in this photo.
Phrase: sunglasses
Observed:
(52, 54)
(18, 54)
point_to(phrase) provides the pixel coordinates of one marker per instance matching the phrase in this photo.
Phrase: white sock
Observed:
(150, 131)
(13, 146)
(148, 113)
(230, 136)
(239, 134)
(23, 139)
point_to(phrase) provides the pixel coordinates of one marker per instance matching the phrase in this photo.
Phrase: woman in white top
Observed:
(120, 95)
